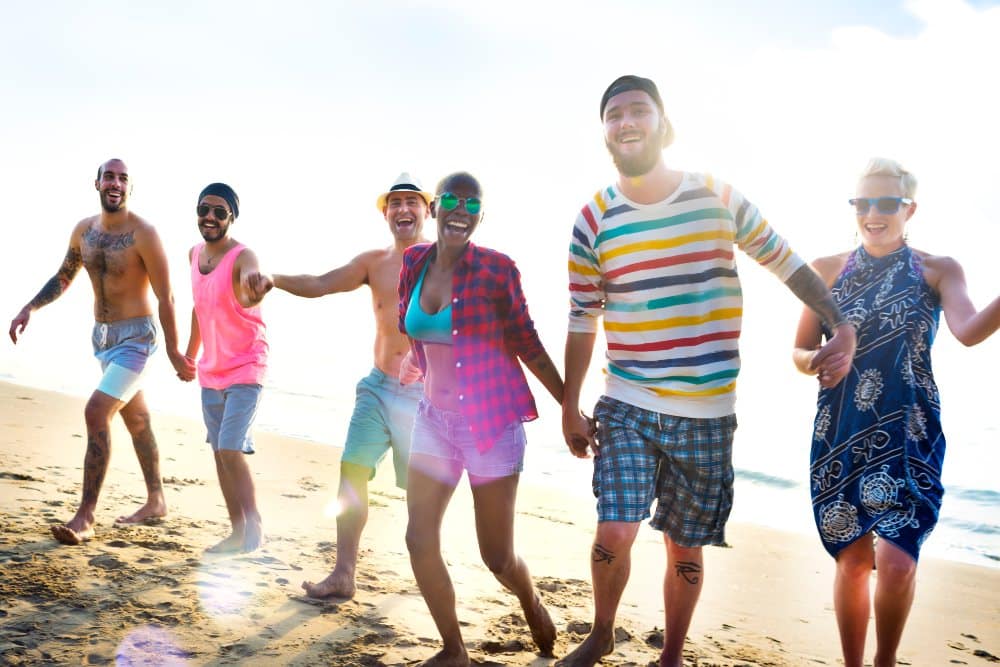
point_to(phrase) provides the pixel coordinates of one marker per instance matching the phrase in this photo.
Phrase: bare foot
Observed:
(153, 509)
(73, 536)
(231, 544)
(588, 653)
(443, 659)
(543, 631)
(253, 536)
(338, 584)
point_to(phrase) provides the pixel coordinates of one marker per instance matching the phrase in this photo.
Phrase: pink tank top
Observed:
(232, 337)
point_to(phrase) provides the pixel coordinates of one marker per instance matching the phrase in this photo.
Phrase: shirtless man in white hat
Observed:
(384, 410)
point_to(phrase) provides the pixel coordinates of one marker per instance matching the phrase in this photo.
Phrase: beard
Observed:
(210, 234)
(108, 206)
(636, 165)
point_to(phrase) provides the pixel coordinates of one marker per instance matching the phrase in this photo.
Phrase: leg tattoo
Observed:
(689, 570)
(95, 466)
(602, 555)
(148, 454)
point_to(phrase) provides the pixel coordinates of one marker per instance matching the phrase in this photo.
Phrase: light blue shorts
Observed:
(444, 434)
(229, 415)
(123, 348)
(382, 420)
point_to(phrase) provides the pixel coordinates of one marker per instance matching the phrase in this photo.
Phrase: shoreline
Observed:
(140, 592)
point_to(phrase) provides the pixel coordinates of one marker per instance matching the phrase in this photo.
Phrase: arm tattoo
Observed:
(690, 570)
(58, 283)
(602, 555)
(812, 291)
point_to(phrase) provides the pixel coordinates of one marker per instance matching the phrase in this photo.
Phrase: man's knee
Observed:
(137, 423)
(100, 408)
(615, 537)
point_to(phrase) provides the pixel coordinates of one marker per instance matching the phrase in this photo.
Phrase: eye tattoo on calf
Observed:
(602, 555)
(690, 570)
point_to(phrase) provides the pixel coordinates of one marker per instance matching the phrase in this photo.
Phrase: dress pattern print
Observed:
(877, 445)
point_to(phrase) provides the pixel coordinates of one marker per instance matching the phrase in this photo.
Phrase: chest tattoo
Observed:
(104, 241)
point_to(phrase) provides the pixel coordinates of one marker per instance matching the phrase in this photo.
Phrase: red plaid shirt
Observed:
(491, 328)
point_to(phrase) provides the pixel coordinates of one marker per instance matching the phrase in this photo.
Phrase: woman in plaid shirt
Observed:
(465, 313)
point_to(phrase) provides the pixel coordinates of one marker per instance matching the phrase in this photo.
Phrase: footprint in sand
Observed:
(106, 562)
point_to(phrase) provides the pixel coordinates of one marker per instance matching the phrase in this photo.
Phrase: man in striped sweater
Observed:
(653, 255)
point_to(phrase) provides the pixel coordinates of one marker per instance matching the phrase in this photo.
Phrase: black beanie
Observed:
(224, 191)
(623, 84)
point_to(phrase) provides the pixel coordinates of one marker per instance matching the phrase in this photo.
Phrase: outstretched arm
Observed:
(249, 284)
(833, 360)
(155, 259)
(52, 289)
(967, 324)
(349, 277)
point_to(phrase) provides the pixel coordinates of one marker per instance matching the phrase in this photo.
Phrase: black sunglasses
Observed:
(886, 205)
(220, 212)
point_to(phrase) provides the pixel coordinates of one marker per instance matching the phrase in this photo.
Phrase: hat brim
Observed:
(383, 198)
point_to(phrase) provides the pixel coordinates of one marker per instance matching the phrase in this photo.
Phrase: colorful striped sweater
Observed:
(664, 278)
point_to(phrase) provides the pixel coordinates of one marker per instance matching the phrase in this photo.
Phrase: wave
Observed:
(763, 478)
(982, 496)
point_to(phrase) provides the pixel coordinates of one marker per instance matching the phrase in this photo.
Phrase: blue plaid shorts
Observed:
(685, 463)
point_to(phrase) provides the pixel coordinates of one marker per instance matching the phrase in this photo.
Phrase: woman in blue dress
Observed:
(877, 447)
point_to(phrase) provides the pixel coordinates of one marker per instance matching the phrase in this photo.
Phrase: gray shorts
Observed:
(445, 435)
(123, 348)
(229, 414)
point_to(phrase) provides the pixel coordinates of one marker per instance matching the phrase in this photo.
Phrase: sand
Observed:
(147, 594)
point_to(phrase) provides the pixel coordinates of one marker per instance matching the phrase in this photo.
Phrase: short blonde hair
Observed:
(881, 166)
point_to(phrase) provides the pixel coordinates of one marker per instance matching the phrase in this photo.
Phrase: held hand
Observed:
(833, 361)
(256, 285)
(183, 365)
(409, 369)
(19, 323)
(578, 431)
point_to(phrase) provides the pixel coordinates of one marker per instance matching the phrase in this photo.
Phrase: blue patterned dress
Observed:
(877, 446)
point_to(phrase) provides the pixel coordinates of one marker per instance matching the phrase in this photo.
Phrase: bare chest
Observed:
(109, 254)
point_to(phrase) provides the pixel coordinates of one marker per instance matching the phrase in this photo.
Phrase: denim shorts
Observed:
(123, 348)
(446, 435)
(685, 463)
(229, 414)
(382, 420)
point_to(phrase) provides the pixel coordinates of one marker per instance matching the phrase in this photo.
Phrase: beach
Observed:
(148, 595)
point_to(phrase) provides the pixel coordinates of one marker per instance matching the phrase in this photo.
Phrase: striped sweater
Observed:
(664, 278)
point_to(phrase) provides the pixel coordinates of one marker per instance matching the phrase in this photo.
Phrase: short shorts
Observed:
(446, 435)
(123, 348)
(229, 415)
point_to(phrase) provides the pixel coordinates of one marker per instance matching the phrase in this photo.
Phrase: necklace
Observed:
(210, 259)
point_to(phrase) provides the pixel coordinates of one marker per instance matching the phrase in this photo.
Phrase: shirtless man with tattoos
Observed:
(653, 255)
(124, 258)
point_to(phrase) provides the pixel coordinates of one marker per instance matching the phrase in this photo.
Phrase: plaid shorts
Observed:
(686, 463)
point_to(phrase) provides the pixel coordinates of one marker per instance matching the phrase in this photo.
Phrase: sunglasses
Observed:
(886, 205)
(450, 201)
(220, 212)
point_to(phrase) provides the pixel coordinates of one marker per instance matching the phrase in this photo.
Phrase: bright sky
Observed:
(310, 109)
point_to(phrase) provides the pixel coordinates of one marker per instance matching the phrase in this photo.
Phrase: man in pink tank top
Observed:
(226, 322)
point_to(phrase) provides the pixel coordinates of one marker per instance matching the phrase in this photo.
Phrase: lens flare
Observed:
(150, 645)
(332, 509)
(227, 587)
